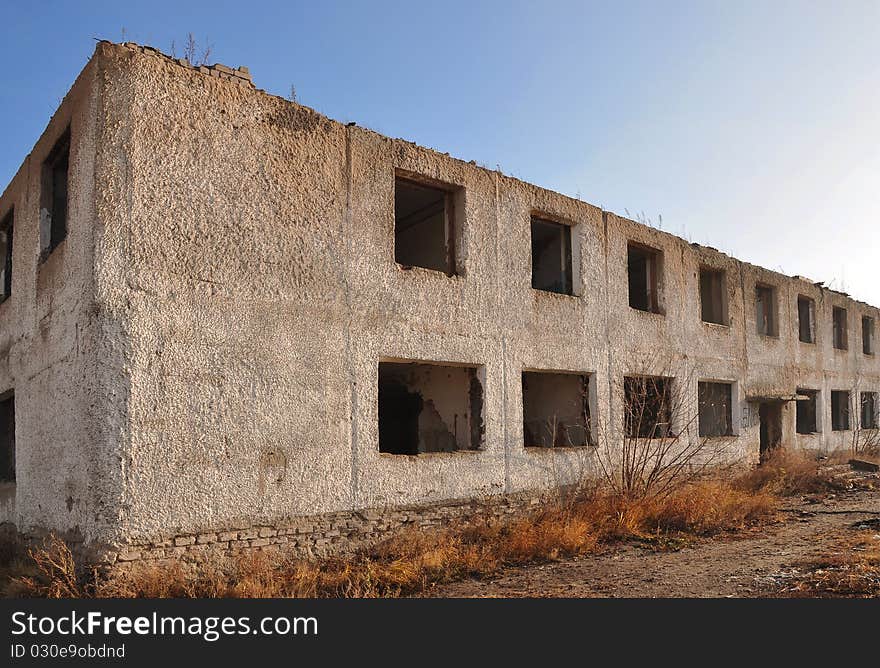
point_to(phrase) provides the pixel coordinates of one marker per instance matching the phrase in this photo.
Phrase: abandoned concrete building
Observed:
(230, 322)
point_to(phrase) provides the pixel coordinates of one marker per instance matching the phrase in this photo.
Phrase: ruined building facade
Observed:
(231, 322)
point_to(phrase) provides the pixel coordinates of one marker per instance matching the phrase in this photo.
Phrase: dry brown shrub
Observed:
(55, 575)
(414, 561)
(787, 473)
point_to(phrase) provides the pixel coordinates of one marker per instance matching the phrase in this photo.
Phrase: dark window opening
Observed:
(53, 213)
(7, 439)
(429, 408)
(556, 409)
(807, 412)
(867, 335)
(715, 408)
(839, 410)
(869, 410)
(765, 310)
(423, 226)
(6, 236)
(806, 319)
(838, 315)
(713, 296)
(647, 406)
(551, 257)
(644, 266)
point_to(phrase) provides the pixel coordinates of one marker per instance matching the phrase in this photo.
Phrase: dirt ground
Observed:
(753, 563)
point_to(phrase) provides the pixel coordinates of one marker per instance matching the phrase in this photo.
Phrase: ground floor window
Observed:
(7, 438)
(427, 407)
(556, 409)
(715, 407)
(647, 406)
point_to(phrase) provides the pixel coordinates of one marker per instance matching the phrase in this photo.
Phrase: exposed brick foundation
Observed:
(321, 535)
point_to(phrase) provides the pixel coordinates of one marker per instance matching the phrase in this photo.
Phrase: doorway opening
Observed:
(770, 415)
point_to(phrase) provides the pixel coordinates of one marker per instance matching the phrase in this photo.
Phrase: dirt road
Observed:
(749, 564)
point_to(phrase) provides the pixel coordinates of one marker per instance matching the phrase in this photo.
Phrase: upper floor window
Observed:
(424, 233)
(6, 235)
(713, 295)
(551, 256)
(838, 316)
(765, 310)
(644, 266)
(806, 319)
(53, 197)
(867, 335)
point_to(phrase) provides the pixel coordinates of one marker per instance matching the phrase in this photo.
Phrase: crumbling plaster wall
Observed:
(245, 291)
(68, 464)
(263, 292)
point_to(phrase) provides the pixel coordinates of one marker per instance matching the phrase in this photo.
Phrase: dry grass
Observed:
(851, 569)
(413, 562)
(788, 473)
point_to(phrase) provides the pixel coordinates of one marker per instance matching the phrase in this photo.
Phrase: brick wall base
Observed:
(321, 535)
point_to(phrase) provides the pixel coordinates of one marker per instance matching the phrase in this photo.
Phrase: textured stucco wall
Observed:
(67, 477)
(241, 289)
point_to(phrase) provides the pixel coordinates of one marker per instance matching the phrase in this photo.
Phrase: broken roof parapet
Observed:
(240, 75)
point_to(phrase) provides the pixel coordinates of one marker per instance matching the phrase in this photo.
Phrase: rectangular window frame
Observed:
(450, 232)
(704, 390)
(567, 283)
(713, 281)
(841, 419)
(663, 427)
(868, 406)
(766, 310)
(54, 209)
(7, 235)
(840, 328)
(806, 307)
(867, 335)
(653, 258)
(802, 414)
(8, 459)
(404, 407)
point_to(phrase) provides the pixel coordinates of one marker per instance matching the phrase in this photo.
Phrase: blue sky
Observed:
(752, 127)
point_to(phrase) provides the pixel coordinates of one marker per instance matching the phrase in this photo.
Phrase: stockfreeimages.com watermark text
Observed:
(209, 629)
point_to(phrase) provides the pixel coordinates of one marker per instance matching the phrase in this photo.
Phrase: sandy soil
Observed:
(753, 563)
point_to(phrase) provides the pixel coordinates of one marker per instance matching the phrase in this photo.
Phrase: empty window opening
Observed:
(647, 406)
(869, 410)
(6, 235)
(715, 408)
(807, 412)
(551, 256)
(423, 226)
(644, 266)
(839, 410)
(806, 319)
(7, 439)
(867, 335)
(53, 213)
(838, 315)
(713, 296)
(429, 408)
(556, 409)
(765, 310)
